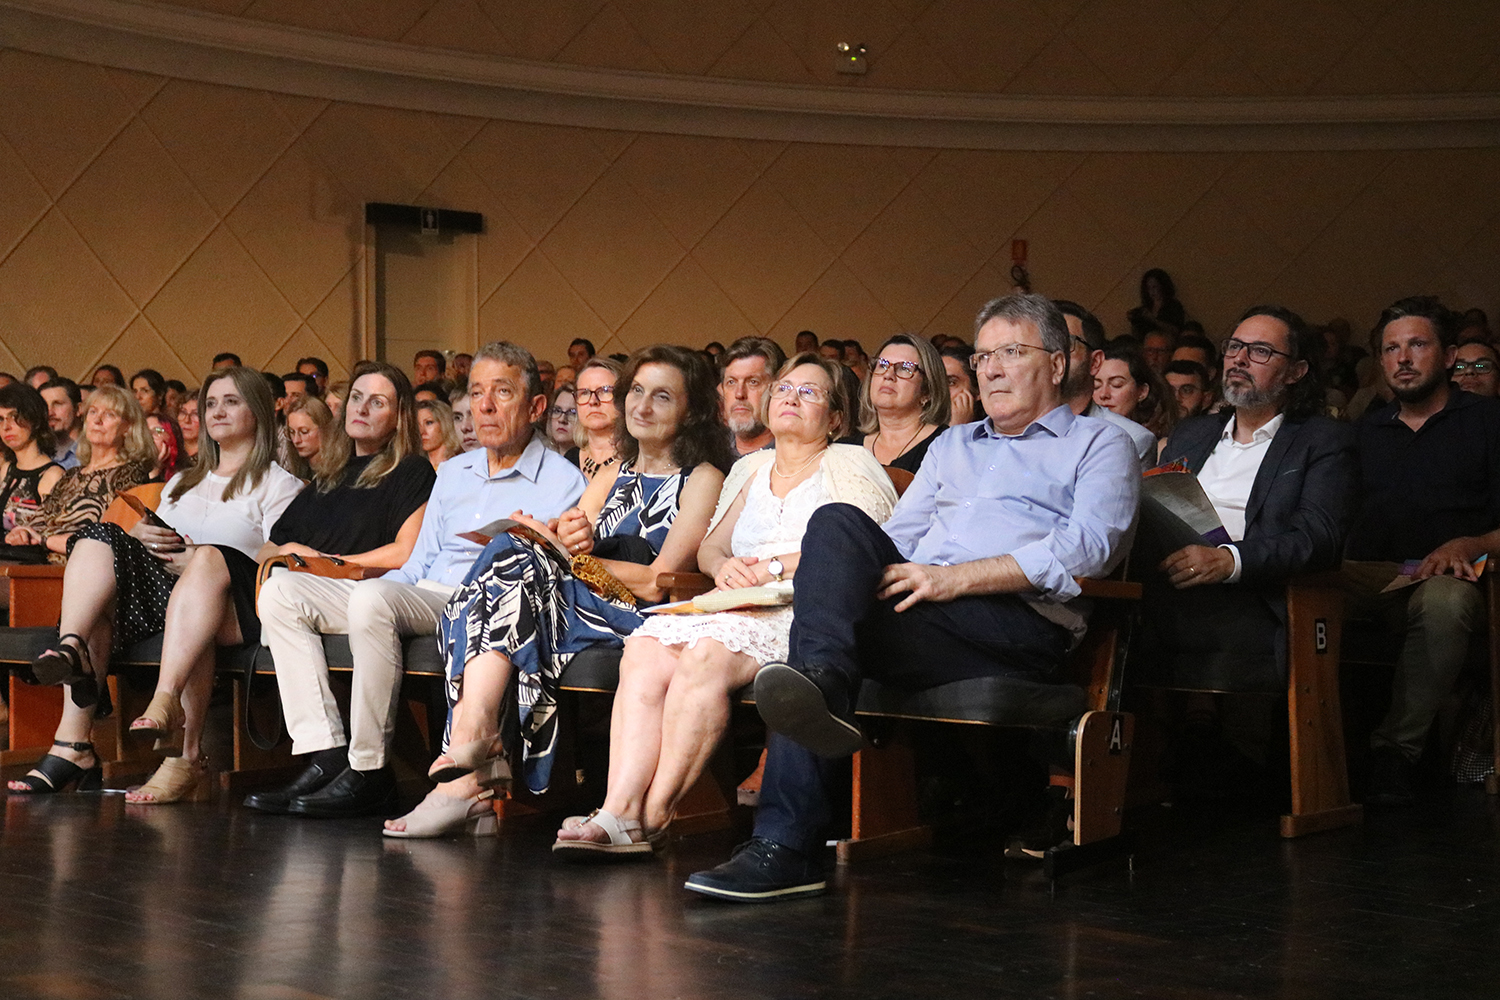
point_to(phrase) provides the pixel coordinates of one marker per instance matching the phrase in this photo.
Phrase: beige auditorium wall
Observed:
(1092, 47)
(148, 220)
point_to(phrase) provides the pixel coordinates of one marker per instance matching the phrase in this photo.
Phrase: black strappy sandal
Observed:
(70, 665)
(55, 774)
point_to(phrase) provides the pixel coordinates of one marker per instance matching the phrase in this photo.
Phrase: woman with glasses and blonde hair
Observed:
(308, 423)
(121, 587)
(678, 671)
(594, 430)
(904, 403)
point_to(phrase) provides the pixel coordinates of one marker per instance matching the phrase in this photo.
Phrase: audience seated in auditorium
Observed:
(167, 438)
(458, 368)
(678, 671)
(37, 375)
(366, 505)
(425, 391)
(748, 367)
(833, 350)
(428, 366)
(1281, 478)
(956, 584)
(334, 397)
(855, 358)
(28, 472)
(308, 422)
(118, 586)
(1476, 368)
(963, 384)
(1429, 493)
(1197, 348)
(115, 454)
(298, 386)
(1157, 347)
(805, 343)
(547, 372)
(1129, 387)
(438, 435)
(107, 375)
(226, 359)
(64, 418)
(594, 437)
(1159, 308)
(1086, 347)
(1189, 383)
(904, 404)
(522, 616)
(513, 472)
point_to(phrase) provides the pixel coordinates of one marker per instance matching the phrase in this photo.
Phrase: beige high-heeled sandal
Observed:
(163, 719)
(439, 815)
(463, 759)
(174, 780)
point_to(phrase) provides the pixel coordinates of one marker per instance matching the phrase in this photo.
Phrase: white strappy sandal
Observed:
(620, 842)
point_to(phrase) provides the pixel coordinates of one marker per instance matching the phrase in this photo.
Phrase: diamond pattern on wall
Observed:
(164, 221)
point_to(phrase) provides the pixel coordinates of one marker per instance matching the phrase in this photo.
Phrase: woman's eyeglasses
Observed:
(901, 369)
(603, 394)
(805, 393)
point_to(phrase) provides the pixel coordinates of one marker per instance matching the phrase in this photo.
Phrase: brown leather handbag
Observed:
(330, 566)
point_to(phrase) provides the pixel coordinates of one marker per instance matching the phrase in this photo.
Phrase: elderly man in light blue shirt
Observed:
(512, 472)
(972, 576)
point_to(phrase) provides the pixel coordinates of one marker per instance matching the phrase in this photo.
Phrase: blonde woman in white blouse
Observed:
(194, 581)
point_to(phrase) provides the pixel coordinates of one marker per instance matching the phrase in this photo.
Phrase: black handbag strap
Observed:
(278, 730)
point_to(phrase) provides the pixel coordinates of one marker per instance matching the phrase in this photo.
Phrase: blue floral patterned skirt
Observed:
(518, 601)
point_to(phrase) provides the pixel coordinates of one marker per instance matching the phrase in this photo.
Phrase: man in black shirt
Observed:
(1429, 507)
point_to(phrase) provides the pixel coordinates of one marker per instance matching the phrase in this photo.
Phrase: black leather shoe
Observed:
(352, 793)
(312, 778)
(812, 706)
(1391, 781)
(761, 871)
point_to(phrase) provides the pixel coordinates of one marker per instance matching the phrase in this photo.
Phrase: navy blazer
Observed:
(1302, 499)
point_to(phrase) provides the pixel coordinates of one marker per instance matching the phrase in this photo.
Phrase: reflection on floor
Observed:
(104, 900)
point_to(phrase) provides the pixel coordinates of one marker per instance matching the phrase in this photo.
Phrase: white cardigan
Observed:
(850, 475)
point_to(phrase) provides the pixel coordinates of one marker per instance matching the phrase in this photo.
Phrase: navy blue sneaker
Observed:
(761, 871)
(811, 706)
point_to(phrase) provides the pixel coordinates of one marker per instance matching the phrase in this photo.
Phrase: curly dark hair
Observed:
(702, 435)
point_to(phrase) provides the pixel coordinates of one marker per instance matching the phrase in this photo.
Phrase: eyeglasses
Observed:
(603, 394)
(901, 369)
(1259, 353)
(805, 393)
(1480, 367)
(1006, 355)
(559, 413)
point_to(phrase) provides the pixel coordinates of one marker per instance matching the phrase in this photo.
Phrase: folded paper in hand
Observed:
(1176, 512)
(1408, 575)
(768, 596)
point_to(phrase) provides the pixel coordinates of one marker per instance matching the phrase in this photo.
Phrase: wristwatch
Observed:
(777, 569)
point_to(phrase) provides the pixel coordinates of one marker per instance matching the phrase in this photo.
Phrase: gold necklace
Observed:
(776, 464)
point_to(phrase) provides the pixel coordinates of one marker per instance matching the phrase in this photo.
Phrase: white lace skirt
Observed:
(761, 634)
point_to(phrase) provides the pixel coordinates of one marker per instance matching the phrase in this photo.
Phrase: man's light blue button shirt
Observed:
(466, 497)
(1059, 497)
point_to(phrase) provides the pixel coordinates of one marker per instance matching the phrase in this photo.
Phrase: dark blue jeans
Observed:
(841, 626)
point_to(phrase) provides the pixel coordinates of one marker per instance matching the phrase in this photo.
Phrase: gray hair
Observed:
(506, 353)
(1038, 310)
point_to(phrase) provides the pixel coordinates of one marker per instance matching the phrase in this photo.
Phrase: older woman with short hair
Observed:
(904, 402)
(678, 671)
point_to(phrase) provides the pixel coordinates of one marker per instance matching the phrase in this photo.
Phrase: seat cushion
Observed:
(992, 701)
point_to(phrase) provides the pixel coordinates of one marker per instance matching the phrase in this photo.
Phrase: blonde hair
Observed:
(322, 417)
(137, 445)
(252, 387)
(838, 392)
(329, 464)
(443, 414)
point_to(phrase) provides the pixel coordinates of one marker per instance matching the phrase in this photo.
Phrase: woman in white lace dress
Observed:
(678, 671)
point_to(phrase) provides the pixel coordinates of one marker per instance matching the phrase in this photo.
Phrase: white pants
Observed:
(295, 608)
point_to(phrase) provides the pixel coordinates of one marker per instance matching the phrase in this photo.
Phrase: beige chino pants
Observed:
(295, 608)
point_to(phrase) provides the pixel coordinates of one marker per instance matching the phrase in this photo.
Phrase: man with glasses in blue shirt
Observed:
(973, 575)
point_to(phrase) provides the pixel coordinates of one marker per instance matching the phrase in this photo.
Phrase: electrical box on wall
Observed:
(851, 59)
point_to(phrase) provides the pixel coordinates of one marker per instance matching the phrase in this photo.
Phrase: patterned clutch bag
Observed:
(597, 577)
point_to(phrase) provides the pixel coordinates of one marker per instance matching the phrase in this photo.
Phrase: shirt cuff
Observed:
(1238, 566)
(1049, 576)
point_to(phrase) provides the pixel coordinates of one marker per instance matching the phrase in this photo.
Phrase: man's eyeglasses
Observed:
(805, 393)
(1006, 356)
(1259, 353)
(901, 369)
(1481, 367)
(603, 394)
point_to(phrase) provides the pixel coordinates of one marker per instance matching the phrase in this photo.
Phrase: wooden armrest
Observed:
(45, 571)
(1119, 590)
(681, 586)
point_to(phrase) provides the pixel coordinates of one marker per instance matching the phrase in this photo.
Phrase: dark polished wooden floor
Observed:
(104, 900)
